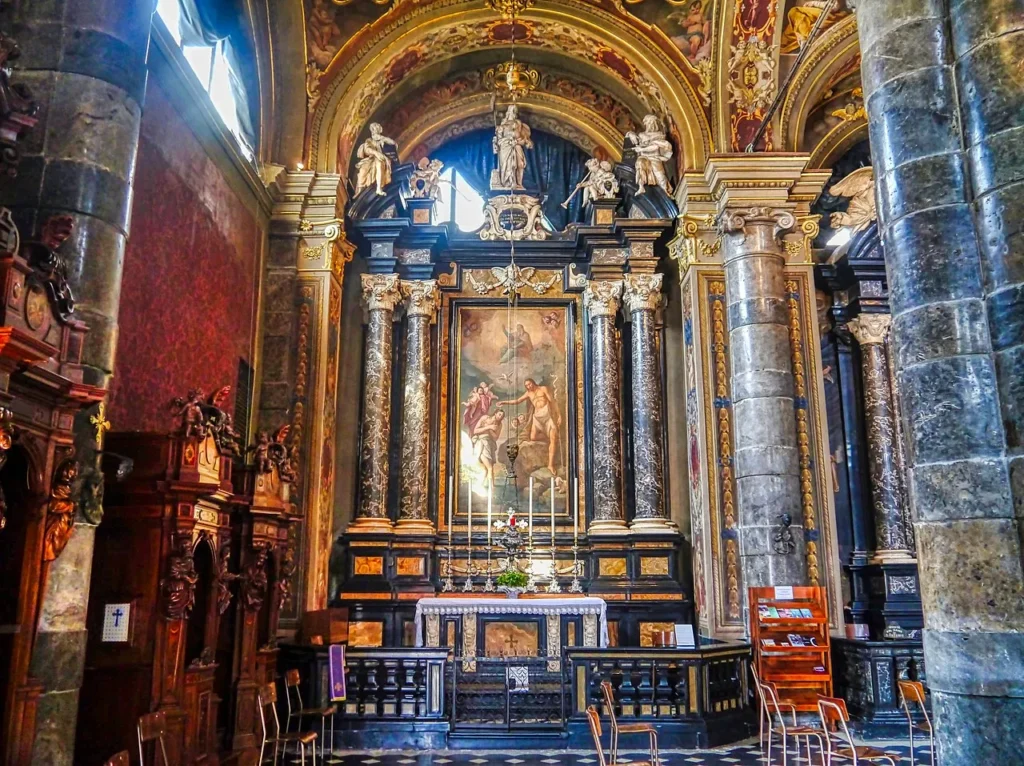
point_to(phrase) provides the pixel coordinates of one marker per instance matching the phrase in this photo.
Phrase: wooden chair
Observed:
(152, 726)
(291, 688)
(777, 725)
(267, 698)
(626, 728)
(594, 719)
(834, 718)
(118, 759)
(913, 692)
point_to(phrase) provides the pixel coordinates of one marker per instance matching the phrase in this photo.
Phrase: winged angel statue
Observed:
(859, 187)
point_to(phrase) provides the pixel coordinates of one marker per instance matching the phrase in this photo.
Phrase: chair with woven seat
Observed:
(625, 728)
(773, 710)
(291, 689)
(118, 759)
(839, 744)
(267, 698)
(911, 693)
(594, 720)
(151, 728)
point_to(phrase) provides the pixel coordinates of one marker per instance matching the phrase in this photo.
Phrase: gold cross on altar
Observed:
(100, 422)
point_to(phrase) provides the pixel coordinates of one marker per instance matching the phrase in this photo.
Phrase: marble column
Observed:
(957, 328)
(602, 299)
(766, 459)
(422, 300)
(870, 331)
(381, 294)
(85, 63)
(642, 296)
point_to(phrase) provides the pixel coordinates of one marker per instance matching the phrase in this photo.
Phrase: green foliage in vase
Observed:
(512, 579)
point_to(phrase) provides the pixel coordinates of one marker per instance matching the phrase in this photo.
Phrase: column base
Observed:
(414, 527)
(608, 527)
(370, 525)
(893, 557)
(653, 526)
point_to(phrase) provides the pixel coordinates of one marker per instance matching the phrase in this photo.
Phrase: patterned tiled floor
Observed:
(738, 755)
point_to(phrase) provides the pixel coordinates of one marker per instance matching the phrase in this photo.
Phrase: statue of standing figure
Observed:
(374, 166)
(653, 150)
(511, 140)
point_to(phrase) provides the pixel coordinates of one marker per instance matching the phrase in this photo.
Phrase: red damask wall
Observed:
(188, 293)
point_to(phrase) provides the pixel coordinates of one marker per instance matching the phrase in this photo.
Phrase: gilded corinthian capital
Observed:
(870, 329)
(422, 298)
(736, 221)
(381, 292)
(642, 292)
(602, 298)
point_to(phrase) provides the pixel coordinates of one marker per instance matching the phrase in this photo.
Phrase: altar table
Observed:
(429, 612)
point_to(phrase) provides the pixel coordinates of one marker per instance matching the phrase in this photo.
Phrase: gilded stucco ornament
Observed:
(60, 510)
(751, 82)
(870, 329)
(642, 292)
(602, 298)
(422, 298)
(859, 187)
(652, 150)
(513, 216)
(854, 109)
(511, 279)
(381, 292)
(735, 221)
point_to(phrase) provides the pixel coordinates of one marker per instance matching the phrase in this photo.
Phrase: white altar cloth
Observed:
(513, 606)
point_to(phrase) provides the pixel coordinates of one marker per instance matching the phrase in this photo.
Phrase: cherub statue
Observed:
(652, 150)
(374, 166)
(425, 181)
(599, 182)
(190, 409)
(859, 187)
(261, 453)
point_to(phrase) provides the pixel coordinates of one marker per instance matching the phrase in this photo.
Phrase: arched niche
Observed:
(201, 628)
(266, 619)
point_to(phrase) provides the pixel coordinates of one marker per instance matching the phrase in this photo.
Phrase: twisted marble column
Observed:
(892, 544)
(421, 303)
(766, 459)
(602, 299)
(381, 293)
(642, 295)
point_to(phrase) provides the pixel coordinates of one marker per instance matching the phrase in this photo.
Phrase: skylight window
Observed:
(459, 203)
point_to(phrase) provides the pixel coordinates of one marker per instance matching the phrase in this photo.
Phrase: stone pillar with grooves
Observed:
(381, 293)
(422, 301)
(85, 63)
(892, 542)
(642, 296)
(766, 458)
(602, 299)
(955, 285)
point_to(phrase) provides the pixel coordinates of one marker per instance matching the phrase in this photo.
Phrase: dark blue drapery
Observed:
(553, 167)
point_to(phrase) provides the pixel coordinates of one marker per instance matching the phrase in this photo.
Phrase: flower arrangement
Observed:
(510, 578)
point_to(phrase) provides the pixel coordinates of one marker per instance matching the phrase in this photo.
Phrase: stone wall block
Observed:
(961, 489)
(1010, 370)
(770, 383)
(951, 409)
(978, 22)
(997, 160)
(932, 256)
(877, 20)
(970, 574)
(938, 330)
(55, 738)
(66, 601)
(914, 116)
(1000, 220)
(128, 22)
(761, 499)
(40, 40)
(756, 311)
(990, 91)
(994, 662)
(95, 123)
(89, 190)
(58, 660)
(927, 182)
(755, 275)
(976, 729)
(765, 461)
(96, 54)
(766, 421)
(916, 44)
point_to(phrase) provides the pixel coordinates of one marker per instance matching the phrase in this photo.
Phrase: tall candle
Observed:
(552, 512)
(488, 514)
(575, 511)
(451, 490)
(469, 513)
(529, 529)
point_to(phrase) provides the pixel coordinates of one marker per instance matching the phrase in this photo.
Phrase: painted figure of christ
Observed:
(545, 419)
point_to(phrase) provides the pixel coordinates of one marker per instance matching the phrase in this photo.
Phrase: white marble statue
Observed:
(425, 181)
(599, 182)
(511, 140)
(374, 166)
(653, 150)
(859, 187)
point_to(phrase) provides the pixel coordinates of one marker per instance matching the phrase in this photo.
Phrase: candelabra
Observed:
(576, 586)
(449, 584)
(554, 587)
(467, 587)
(531, 578)
(488, 583)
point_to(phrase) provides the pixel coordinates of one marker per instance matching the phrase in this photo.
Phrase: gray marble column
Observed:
(85, 63)
(766, 459)
(642, 296)
(381, 294)
(421, 301)
(602, 299)
(891, 542)
(957, 328)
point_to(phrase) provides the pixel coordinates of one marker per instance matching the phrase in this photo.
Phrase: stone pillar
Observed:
(642, 294)
(766, 459)
(955, 299)
(382, 294)
(602, 299)
(86, 64)
(422, 301)
(892, 544)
